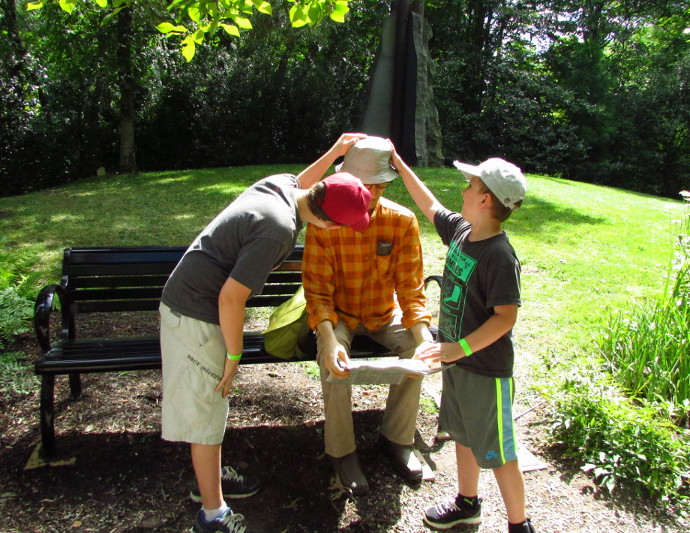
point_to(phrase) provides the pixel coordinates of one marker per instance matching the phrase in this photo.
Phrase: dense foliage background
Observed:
(593, 90)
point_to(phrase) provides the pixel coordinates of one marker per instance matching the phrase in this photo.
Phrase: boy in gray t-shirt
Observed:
(203, 310)
(480, 296)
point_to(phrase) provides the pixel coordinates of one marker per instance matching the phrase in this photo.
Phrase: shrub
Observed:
(620, 441)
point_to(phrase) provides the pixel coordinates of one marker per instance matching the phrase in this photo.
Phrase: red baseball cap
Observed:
(346, 201)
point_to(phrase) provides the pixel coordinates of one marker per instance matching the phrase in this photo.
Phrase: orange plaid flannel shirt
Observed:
(349, 276)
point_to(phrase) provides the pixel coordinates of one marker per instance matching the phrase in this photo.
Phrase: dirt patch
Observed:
(123, 478)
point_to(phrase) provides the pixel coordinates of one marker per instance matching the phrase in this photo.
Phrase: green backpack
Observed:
(288, 335)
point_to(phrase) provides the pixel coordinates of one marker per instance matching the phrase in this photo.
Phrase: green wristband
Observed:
(233, 357)
(466, 347)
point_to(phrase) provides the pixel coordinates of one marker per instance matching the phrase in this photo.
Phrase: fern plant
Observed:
(18, 287)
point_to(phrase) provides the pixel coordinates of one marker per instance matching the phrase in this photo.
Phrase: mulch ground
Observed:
(118, 476)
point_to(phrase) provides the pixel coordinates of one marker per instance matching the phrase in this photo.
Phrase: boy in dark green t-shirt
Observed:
(480, 297)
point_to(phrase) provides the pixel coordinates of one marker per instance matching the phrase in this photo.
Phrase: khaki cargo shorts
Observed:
(193, 362)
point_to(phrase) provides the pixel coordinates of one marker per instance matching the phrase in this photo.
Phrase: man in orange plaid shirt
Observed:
(368, 283)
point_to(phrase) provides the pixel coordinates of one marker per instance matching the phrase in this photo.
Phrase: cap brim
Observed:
(466, 169)
(361, 226)
(383, 176)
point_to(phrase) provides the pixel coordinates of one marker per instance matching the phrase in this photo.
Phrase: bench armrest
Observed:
(439, 281)
(429, 279)
(45, 304)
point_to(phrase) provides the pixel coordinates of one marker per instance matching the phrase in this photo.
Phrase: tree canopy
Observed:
(595, 91)
(196, 21)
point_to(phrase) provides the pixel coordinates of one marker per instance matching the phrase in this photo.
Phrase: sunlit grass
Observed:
(584, 249)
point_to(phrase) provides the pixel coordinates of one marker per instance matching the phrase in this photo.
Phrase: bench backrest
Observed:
(132, 278)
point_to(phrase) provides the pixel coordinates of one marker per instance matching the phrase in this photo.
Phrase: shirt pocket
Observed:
(383, 259)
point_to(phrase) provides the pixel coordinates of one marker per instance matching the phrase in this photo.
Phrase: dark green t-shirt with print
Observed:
(477, 276)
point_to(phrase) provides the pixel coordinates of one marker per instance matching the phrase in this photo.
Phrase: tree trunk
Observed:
(17, 50)
(128, 160)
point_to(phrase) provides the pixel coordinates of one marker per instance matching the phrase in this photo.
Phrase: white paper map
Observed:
(384, 371)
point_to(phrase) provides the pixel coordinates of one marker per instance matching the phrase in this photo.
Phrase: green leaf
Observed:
(231, 29)
(34, 5)
(188, 48)
(199, 36)
(111, 16)
(68, 5)
(339, 12)
(165, 27)
(194, 14)
(263, 7)
(242, 22)
(315, 13)
(102, 3)
(298, 16)
(245, 6)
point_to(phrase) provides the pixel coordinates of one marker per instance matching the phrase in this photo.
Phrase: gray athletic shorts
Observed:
(193, 364)
(476, 411)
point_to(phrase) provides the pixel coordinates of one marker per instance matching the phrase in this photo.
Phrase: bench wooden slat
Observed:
(124, 254)
(89, 355)
(114, 306)
(156, 280)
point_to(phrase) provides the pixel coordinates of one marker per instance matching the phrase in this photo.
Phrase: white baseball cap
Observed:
(503, 179)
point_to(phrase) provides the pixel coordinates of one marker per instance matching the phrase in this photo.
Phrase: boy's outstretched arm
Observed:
(421, 195)
(318, 168)
(500, 323)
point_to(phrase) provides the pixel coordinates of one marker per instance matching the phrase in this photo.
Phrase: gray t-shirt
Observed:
(477, 276)
(249, 238)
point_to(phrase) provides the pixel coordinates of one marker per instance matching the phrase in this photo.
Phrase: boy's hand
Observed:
(345, 142)
(228, 375)
(396, 161)
(445, 352)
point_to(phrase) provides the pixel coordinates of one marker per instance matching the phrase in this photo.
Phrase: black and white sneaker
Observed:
(228, 522)
(235, 485)
(449, 514)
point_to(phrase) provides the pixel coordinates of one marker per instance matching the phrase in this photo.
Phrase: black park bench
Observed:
(131, 279)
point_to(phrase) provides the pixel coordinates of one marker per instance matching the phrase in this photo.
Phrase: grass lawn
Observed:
(584, 249)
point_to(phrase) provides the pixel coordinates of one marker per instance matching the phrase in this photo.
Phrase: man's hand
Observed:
(228, 375)
(421, 348)
(336, 360)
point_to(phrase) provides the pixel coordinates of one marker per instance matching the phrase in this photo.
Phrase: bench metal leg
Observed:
(48, 415)
(75, 386)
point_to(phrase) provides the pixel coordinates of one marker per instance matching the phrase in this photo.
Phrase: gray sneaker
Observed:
(235, 485)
